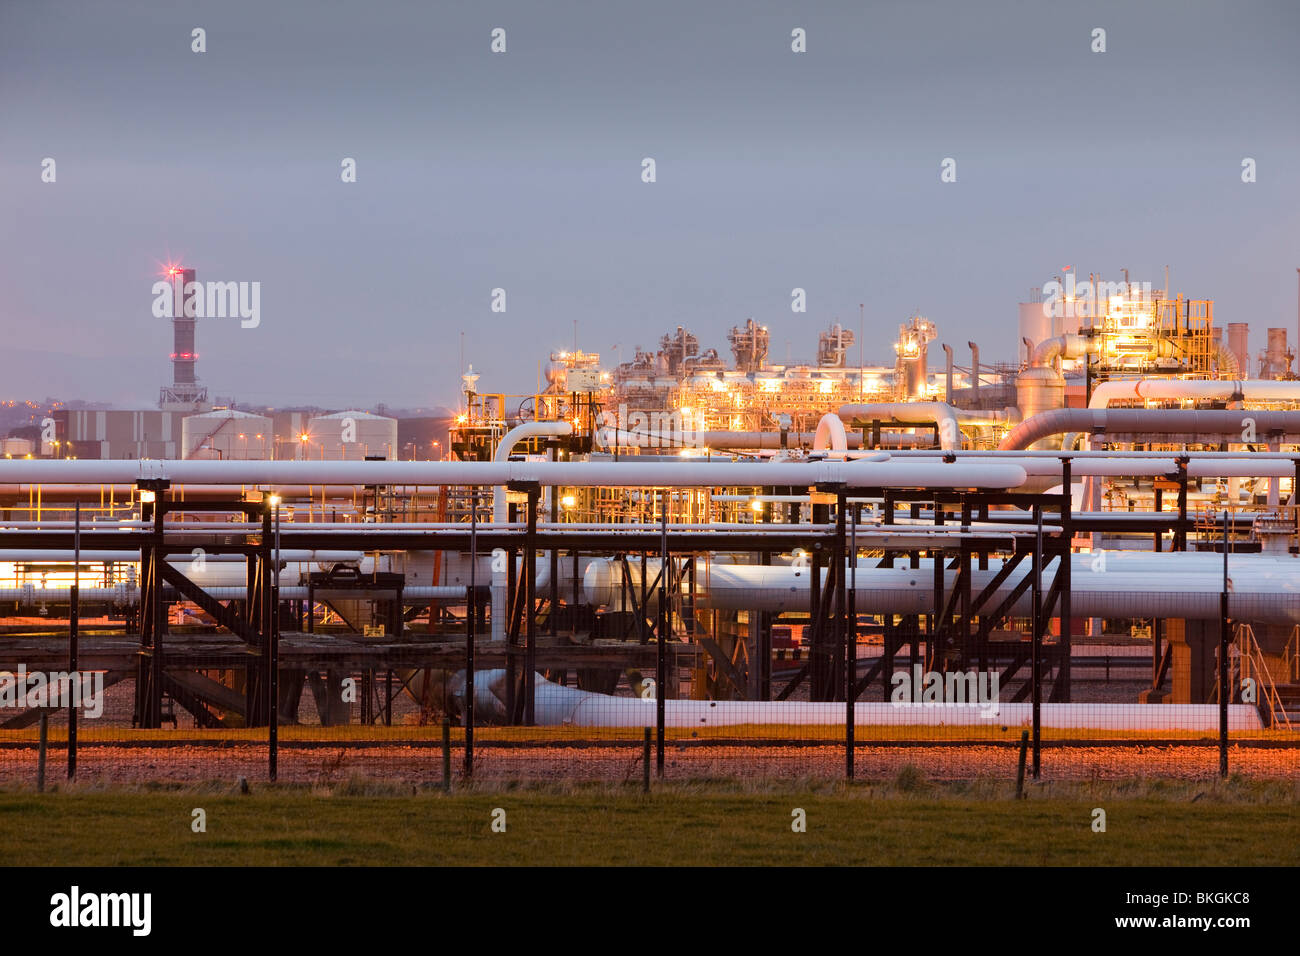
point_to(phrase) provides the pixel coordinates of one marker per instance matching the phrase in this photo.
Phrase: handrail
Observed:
(1252, 658)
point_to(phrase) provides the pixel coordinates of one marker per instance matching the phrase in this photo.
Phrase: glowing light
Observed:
(304, 436)
(756, 505)
(146, 497)
(825, 386)
(461, 419)
(568, 501)
(274, 501)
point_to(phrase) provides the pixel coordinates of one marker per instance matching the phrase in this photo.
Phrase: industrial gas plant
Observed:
(735, 539)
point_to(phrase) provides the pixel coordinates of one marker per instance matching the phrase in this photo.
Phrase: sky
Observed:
(522, 171)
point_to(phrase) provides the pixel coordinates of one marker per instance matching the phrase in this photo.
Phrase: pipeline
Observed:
(1110, 584)
(1168, 389)
(914, 414)
(1186, 425)
(128, 595)
(630, 474)
(557, 705)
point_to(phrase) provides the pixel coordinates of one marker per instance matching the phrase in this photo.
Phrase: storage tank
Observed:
(1277, 363)
(1040, 389)
(17, 447)
(227, 434)
(351, 436)
(1238, 345)
(1034, 324)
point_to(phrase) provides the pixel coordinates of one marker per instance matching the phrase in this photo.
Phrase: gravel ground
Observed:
(112, 765)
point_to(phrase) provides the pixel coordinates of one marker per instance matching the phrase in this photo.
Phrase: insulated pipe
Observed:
(500, 505)
(629, 474)
(506, 448)
(1234, 466)
(830, 434)
(557, 705)
(730, 440)
(129, 594)
(1166, 389)
(1192, 424)
(941, 414)
(1061, 347)
(297, 555)
(1122, 584)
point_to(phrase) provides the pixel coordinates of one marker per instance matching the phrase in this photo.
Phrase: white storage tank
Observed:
(227, 434)
(351, 436)
(1035, 325)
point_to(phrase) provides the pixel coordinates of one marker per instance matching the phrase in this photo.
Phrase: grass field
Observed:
(904, 821)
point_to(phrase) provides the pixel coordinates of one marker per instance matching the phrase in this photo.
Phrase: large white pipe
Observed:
(1174, 389)
(556, 705)
(1171, 389)
(680, 474)
(67, 554)
(500, 506)
(1213, 465)
(1062, 346)
(1114, 584)
(940, 414)
(129, 594)
(506, 448)
(1187, 425)
(670, 442)
(831, 435)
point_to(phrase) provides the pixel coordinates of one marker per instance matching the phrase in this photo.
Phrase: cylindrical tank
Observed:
(1238, 345)
(227, 434)
(1040, 389)
(914, 376)
(1275, 357)
(1035, 324)
(351, 436)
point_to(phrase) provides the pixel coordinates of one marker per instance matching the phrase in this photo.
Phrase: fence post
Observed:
(645, 762)
(74, 617)
(1036, 643)
(273, 656)
(661, 664)
(850, 636)
(471, 612)
(40, 753)
(446, 754)
(1020, 772)
(1224, 644)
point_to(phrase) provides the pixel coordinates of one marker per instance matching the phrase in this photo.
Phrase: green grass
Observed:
(906, 821)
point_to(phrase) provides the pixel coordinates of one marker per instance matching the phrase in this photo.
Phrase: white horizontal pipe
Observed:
(1263, 588)
(1171, 389)
(556, 705)
(686, 473)
(124, 594)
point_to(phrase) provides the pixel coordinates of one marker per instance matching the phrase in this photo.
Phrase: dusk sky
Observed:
(522, 171)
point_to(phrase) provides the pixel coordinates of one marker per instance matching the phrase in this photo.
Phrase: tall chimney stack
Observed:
(185, 393)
